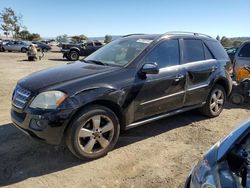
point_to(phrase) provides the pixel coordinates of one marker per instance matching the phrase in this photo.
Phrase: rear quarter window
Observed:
(208, 53)
(217, 50)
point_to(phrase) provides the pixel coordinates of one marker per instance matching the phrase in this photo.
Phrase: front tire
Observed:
(45, 50)
(23, 50)
(93, 133)
(236, 98)
(73, 55)
(215, 102)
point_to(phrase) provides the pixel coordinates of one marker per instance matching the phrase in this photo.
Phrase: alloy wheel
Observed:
(74, 56)
(96, 134)
(23, 50)
(217, 101)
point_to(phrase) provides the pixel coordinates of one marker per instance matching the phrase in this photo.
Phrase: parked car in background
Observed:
(131, 81)
(19, 46)
(226, 164)
(1, 47)
(44, 47)
(6, 41)
(50, 42)
(231, 53)
(242, 57)
(72, 52)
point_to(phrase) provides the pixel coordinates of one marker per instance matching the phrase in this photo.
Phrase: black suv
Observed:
(73, 51)
(129, 82)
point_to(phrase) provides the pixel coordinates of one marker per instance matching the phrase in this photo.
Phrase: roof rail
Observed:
(185, 33)
(133, 34)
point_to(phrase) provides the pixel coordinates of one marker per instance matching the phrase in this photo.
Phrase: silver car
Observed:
(226, 164)
(242, 56)
(20, 46)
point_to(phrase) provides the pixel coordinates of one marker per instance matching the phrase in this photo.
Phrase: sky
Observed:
(96, 18)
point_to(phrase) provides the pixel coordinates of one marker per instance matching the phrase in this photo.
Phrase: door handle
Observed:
(214, 68)
(179, 77)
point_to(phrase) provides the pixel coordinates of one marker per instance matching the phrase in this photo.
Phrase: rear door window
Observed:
(193, 50)
(245, 51)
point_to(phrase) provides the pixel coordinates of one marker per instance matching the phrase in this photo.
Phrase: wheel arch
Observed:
(224, 83)
(24, 48)
(74, 49)
(106, 103)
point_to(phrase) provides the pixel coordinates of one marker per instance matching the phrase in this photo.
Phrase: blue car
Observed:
(44, 47)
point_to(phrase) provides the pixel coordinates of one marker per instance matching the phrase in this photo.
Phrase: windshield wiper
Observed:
(95, 62)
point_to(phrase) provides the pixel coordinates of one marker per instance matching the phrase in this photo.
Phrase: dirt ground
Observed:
(159, 154)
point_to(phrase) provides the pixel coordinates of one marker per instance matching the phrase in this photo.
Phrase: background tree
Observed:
(218, 38)
(34, 37)
(79, 38)
(62, 38)
(10, 22)
(107, 39)
(24, 35)
(226, 42)
(83, 37)
(237, 43)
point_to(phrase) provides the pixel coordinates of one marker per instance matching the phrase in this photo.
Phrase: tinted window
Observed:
(98, 43)
(208, 53)
(193, 50)
(90, 44)
(217, 49)
(165, 54)
(121, 51)
(245, 51)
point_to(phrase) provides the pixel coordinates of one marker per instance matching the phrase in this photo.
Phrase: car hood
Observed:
(62, 74)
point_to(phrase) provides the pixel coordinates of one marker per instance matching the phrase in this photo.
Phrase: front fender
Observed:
(95, 93)
(75, 49)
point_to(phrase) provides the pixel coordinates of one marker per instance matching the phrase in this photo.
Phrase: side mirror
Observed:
(150, 68)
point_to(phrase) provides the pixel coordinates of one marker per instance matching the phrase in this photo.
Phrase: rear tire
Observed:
(93, 132)
(24, 50)
(236, 98)
(73, 55)
(215, 102)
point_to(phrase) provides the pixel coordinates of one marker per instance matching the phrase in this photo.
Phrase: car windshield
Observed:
(119, 52)
(227, 142)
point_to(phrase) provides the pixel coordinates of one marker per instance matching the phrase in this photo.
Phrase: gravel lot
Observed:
(159, 154)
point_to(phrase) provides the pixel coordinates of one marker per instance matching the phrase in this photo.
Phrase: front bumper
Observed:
(46, 126)
(187, 183)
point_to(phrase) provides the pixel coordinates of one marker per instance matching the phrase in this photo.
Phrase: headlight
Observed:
(202, 176)
(48, 100)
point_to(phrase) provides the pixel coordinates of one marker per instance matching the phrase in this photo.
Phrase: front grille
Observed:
(20, 97)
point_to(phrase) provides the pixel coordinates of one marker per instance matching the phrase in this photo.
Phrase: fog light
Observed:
(38, 124)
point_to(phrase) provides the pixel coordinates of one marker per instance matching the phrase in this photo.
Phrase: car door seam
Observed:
(164, 97)
(197, 87)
